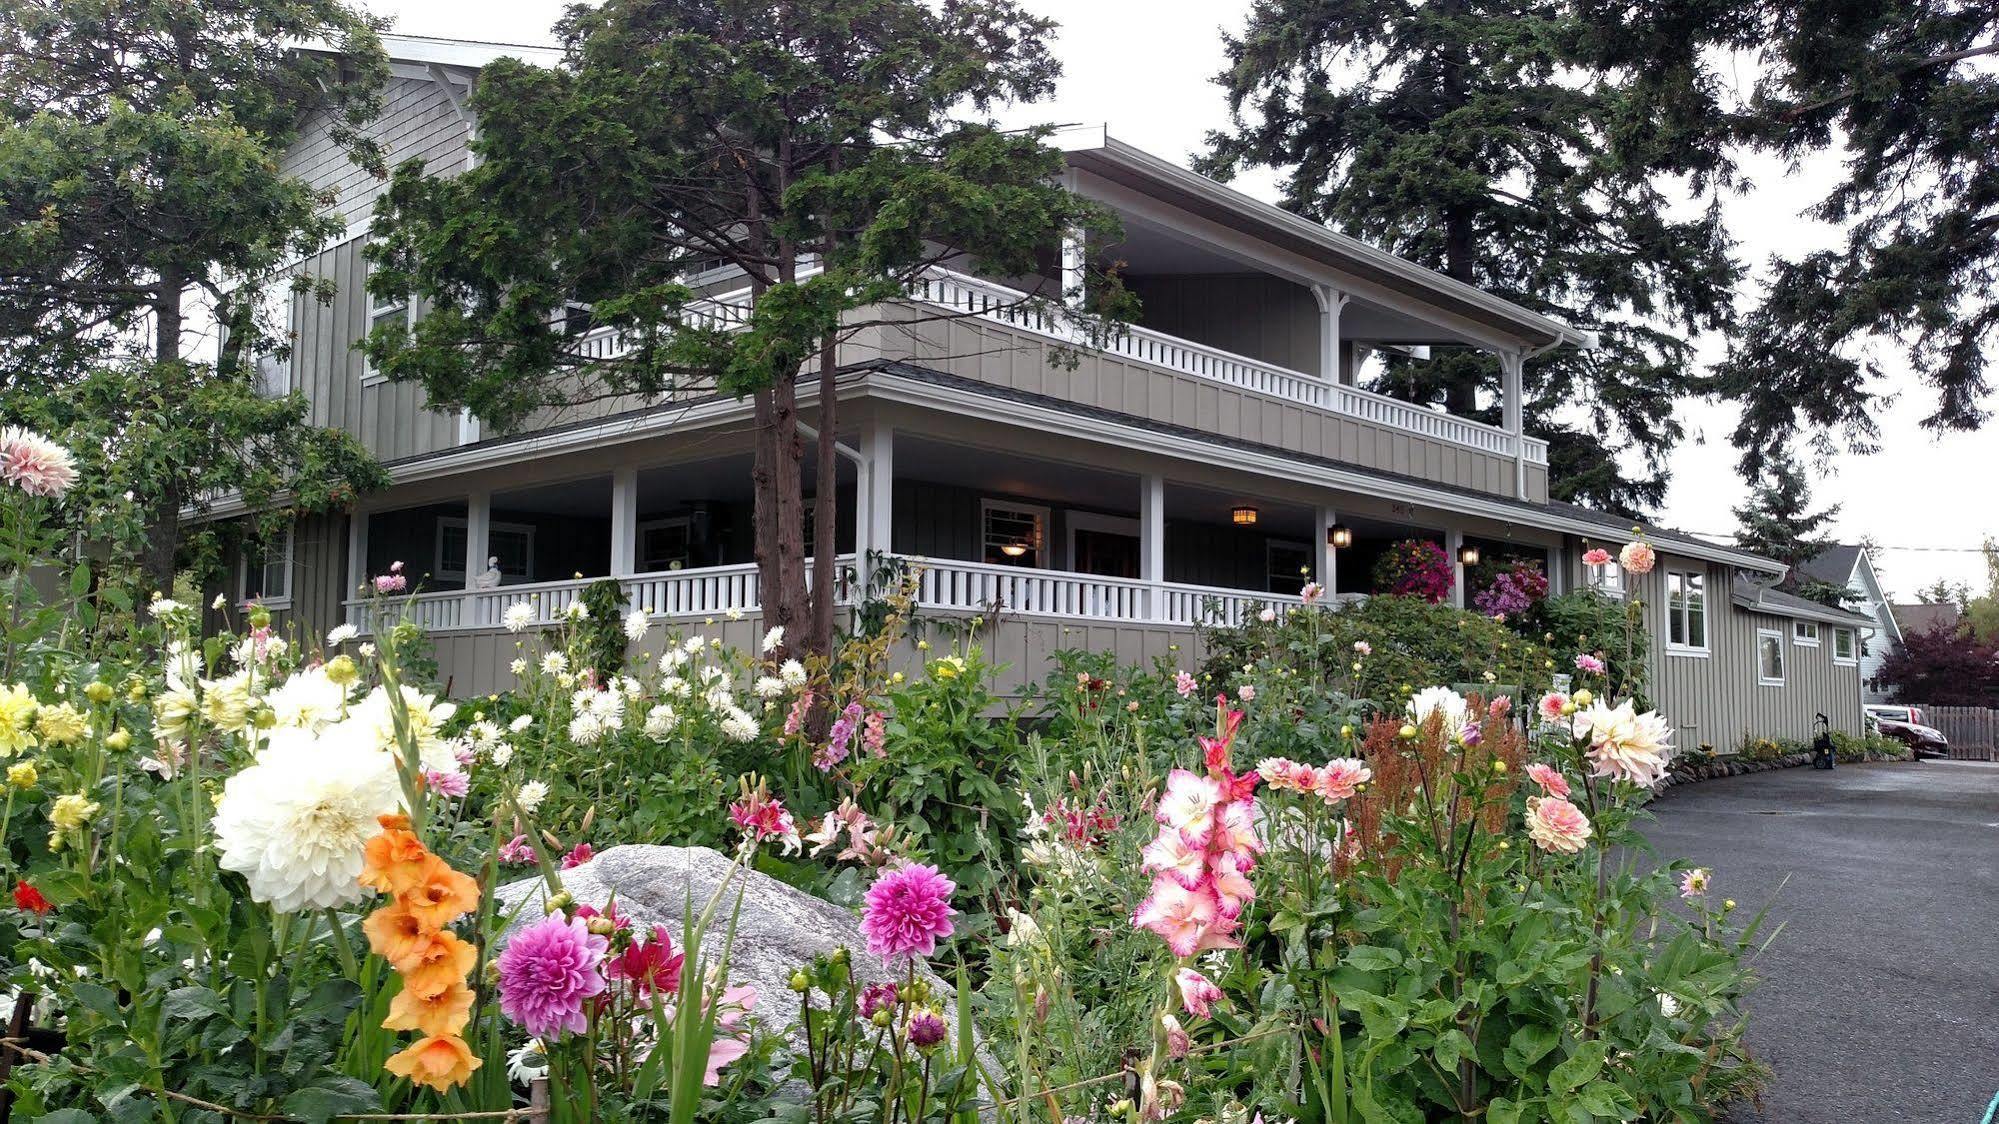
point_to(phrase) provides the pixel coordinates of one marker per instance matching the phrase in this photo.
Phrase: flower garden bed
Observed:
(262, 872)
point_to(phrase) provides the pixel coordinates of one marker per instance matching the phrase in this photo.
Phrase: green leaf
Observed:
(1529, 1044)
(1604, 1098)
(97, 998)
(1580, 1067)
(1373, 958)
(193, 1003)
(332, 1096)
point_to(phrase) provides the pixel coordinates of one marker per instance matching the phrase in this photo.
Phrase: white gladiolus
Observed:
(295, 823)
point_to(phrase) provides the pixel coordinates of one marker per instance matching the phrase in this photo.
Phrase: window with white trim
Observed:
(274, 321)
(1606, 578)
(384, 310)
(1805, 633)
(1686, 611)
(266, 572)
(1769, 657)
(1843, 647)
(511, 543)
(668, 544)
(1014, 534)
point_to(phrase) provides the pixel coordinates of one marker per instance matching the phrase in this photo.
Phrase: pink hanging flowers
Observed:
(1204, 851)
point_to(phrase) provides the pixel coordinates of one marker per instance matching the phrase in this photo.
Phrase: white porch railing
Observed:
(963, 293)
(943, 584)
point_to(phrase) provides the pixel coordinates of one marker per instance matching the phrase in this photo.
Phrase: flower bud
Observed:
(1583, 697)
(118, 741)
(1499, 767)
(97, 692)
(799, 982)
(601, 925)
(342, 672)
(881, 1017)
(558, 902)
(1406, 732)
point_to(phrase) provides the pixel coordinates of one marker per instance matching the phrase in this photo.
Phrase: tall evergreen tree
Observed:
(139, 176)
(1778, 522)
(1905, 93)
(815, 145)
(1515, 147)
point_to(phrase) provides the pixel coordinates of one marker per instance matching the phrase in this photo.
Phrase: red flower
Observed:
(30, 900)
(652, 966)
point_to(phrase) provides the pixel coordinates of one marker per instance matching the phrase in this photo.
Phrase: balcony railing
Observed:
(943, 584)
(961, 293)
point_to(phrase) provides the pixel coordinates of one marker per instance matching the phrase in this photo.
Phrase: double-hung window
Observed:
(266, 574)
(1843, 648)
(1769, 657)
(396, 309)
(1686, 612)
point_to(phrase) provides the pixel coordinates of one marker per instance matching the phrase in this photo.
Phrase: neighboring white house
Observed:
(1848, 565)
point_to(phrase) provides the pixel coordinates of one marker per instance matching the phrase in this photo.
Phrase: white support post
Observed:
(357, 554)
(478, 530)
(624, 521)
(1073, 262)
(1331, 301)
(1152, 539)
(1329, 555)
(1454, 542)
(878, 446)
(1513, 416)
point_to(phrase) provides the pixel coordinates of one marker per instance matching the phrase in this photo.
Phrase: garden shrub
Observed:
(602, 645)
(1608, 628)
(1415, 568)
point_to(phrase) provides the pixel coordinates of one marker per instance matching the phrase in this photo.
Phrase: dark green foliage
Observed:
(1777, 522)
(1413, 644)
(1605, 627)
(603, 631)
(1518, 148)
(1903, 92)
(139, 176)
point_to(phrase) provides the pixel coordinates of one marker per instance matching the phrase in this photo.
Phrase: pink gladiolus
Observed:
(908, 909)
(874, 733)
(1205, 848)
(1550, 779)
(1188, 920)
(1556, 825)
(800, 708)
(1198, 994)
(1189, 806)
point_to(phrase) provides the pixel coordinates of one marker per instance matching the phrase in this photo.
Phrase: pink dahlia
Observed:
(1556, 825)
(35, 464)
(1549, 778)
(1551, 706)
(1637, 557)
(1183, 684)
(1589, 663)
(447, 784)
(1596, 556)
(908, 909)
(1341, 777)
(547, 972)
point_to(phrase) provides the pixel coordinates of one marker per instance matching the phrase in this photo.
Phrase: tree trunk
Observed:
(779, 513)
(826, 505)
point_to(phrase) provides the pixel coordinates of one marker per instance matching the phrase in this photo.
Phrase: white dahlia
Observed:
(1624, 744)
(309, 700)
(1444, 701)
(295, 824)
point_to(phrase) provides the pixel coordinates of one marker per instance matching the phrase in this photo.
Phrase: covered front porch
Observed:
(994, 527)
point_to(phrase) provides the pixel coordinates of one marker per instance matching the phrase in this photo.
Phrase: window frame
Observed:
(275, 302)
(1037, 550)
(1683, 614)
(376, 312)
(1299, 574)
(684, 523)
(1606, 578)
(1776, 639)
(440, 557)
(1852, 637)
(1799, 636)
(286, 567)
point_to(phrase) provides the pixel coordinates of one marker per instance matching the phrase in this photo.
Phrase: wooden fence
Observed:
(1973, 731)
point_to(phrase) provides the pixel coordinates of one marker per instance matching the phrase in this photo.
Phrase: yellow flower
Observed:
(947, 668)
(61, 724)
(118, 741)
(98, 692)
(172, 711)
(22, 774)
(71, 811)
(225, 703)
(17, 720)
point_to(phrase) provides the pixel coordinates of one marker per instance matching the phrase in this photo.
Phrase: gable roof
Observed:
(1766, 599)
(1833, 565)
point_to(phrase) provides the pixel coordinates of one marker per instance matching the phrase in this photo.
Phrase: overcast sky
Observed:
(1143, 67)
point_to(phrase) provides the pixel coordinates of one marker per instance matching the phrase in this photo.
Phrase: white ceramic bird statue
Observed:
(490, 577)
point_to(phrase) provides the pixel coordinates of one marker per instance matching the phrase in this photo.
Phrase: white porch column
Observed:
(478, 530)
(1454, 541)
(624, 521)
(1330, 301)
(1152, 539)
(357, 554)
(1329, 555)
(1073, 259)
(1513, 416)
(878, 446)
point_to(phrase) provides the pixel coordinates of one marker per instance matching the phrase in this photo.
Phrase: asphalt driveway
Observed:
(1880, 998)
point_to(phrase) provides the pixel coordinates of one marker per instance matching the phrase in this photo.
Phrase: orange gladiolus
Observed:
(398, 936)
(447, 961)
(395, 860)
(440, 895)
(439, 1061)
(441, 1015)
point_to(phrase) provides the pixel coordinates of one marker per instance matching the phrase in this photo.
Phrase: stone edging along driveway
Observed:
(1685, 773)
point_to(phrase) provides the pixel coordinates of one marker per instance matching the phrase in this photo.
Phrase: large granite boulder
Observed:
(778, 929)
